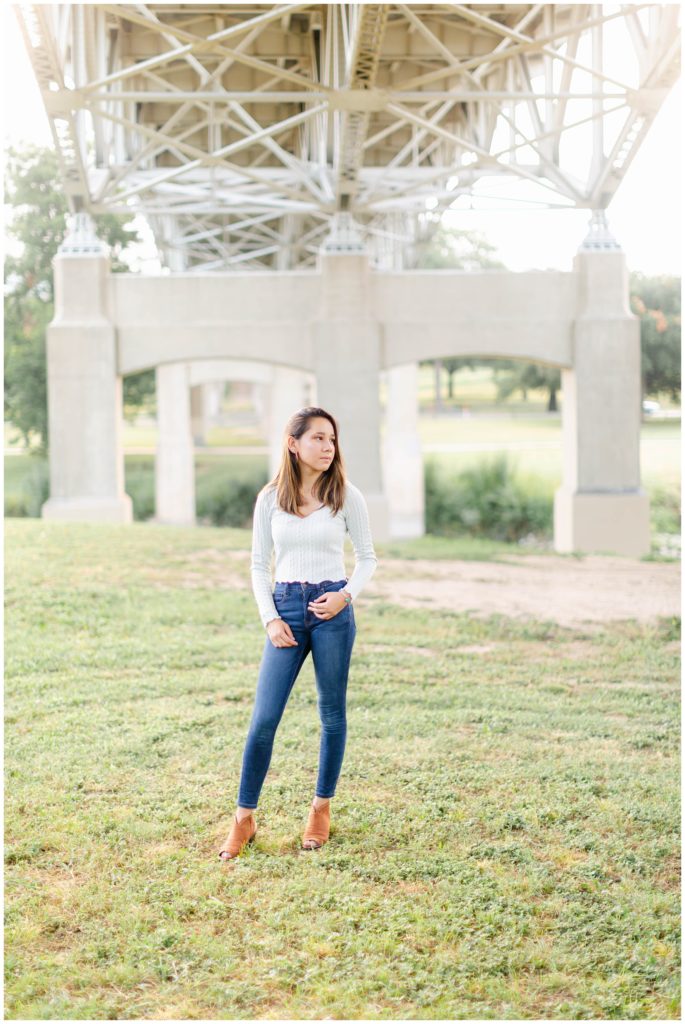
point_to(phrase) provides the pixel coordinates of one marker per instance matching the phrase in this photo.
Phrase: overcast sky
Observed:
(644, 216)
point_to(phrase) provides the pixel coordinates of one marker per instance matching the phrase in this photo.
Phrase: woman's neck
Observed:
(309, 479)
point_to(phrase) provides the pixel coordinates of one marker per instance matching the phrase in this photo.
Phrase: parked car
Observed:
(649, 408)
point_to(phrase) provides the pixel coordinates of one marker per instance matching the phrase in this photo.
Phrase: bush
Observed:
(227, 501)
(140, 485)
(31, 491)
(665, 510)
(486, 500)
(221, 498)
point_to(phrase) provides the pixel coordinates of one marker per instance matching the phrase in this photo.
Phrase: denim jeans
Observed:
(330, 641)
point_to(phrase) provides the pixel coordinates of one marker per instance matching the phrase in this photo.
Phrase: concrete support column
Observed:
(174, 464)
(402, 456)
(261, 392)
(310, 390)
(600, 506)
(213, 395)
(287, 394)
(178, 415)
(197, 414)
(84, 389)
(205, 406)
(346, 344)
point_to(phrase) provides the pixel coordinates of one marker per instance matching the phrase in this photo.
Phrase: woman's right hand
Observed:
(280, 633)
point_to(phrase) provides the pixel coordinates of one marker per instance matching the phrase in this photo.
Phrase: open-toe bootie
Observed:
(242, 832)
(318, 826)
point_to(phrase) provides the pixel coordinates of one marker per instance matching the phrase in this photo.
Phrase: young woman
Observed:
(304, 513)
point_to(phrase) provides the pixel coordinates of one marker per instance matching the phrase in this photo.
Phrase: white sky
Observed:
(645, 215)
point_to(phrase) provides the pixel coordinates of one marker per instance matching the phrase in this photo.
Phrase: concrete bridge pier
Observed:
(175, 455)
(84, 388)
(287, 393)
(346, 351)
(205, 402)
(600, 505)
(402, 455)
(198, 416)
(174, 458)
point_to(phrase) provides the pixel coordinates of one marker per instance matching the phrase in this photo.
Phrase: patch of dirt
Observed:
(595, 589)
(589, 592)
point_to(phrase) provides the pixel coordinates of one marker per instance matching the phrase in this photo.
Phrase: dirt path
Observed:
(585, 592)
(594, 589)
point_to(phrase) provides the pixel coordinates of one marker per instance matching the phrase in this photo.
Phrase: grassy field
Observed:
(505, 835)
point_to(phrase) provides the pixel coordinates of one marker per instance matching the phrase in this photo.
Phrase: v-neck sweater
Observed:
(308, 548)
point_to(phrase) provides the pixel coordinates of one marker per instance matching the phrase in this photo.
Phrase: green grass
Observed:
(505, 835)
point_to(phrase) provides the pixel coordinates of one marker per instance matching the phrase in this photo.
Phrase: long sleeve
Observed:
(359, 529)
(260, 568)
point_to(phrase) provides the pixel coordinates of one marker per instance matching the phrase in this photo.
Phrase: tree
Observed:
(447, 249)
(26, 320)
(38, 226)
(656, 300)
(514, 375)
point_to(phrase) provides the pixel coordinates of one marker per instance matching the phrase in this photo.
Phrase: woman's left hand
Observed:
(328, 605)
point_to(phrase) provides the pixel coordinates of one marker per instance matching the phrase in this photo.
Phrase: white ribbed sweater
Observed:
(308, 548)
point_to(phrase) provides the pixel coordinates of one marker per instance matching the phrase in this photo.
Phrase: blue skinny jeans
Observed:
(330, 641)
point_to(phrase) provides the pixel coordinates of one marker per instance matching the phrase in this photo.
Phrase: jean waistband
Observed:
(295, 584)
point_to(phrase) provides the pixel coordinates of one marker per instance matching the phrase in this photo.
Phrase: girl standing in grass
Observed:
(304, 513)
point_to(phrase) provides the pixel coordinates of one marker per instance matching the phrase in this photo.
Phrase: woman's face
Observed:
(316, 447)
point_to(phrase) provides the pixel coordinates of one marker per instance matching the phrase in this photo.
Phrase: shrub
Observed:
(140, 485)
(226, 501)
(665, 510)
(15, 507)
(486, 500)
(31, 491)
(221, 498)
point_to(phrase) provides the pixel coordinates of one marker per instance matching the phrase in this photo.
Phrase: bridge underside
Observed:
(241, 130)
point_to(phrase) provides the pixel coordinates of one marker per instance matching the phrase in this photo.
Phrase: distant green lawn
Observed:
(505, 834)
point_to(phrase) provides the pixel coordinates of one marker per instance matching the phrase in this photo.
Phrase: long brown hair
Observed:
(330, 487)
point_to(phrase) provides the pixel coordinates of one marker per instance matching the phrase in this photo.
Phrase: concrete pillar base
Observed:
(403, 479)
(92, 510)
(379, 516)
(174, 460)
(597, 523)
(407, 526)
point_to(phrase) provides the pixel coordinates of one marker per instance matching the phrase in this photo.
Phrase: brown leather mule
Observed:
(318, 826)
(242, 833)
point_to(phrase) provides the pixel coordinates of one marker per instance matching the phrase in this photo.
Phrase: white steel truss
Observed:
(241, 130)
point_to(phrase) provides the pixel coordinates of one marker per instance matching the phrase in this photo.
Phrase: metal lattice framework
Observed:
(241, 130)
